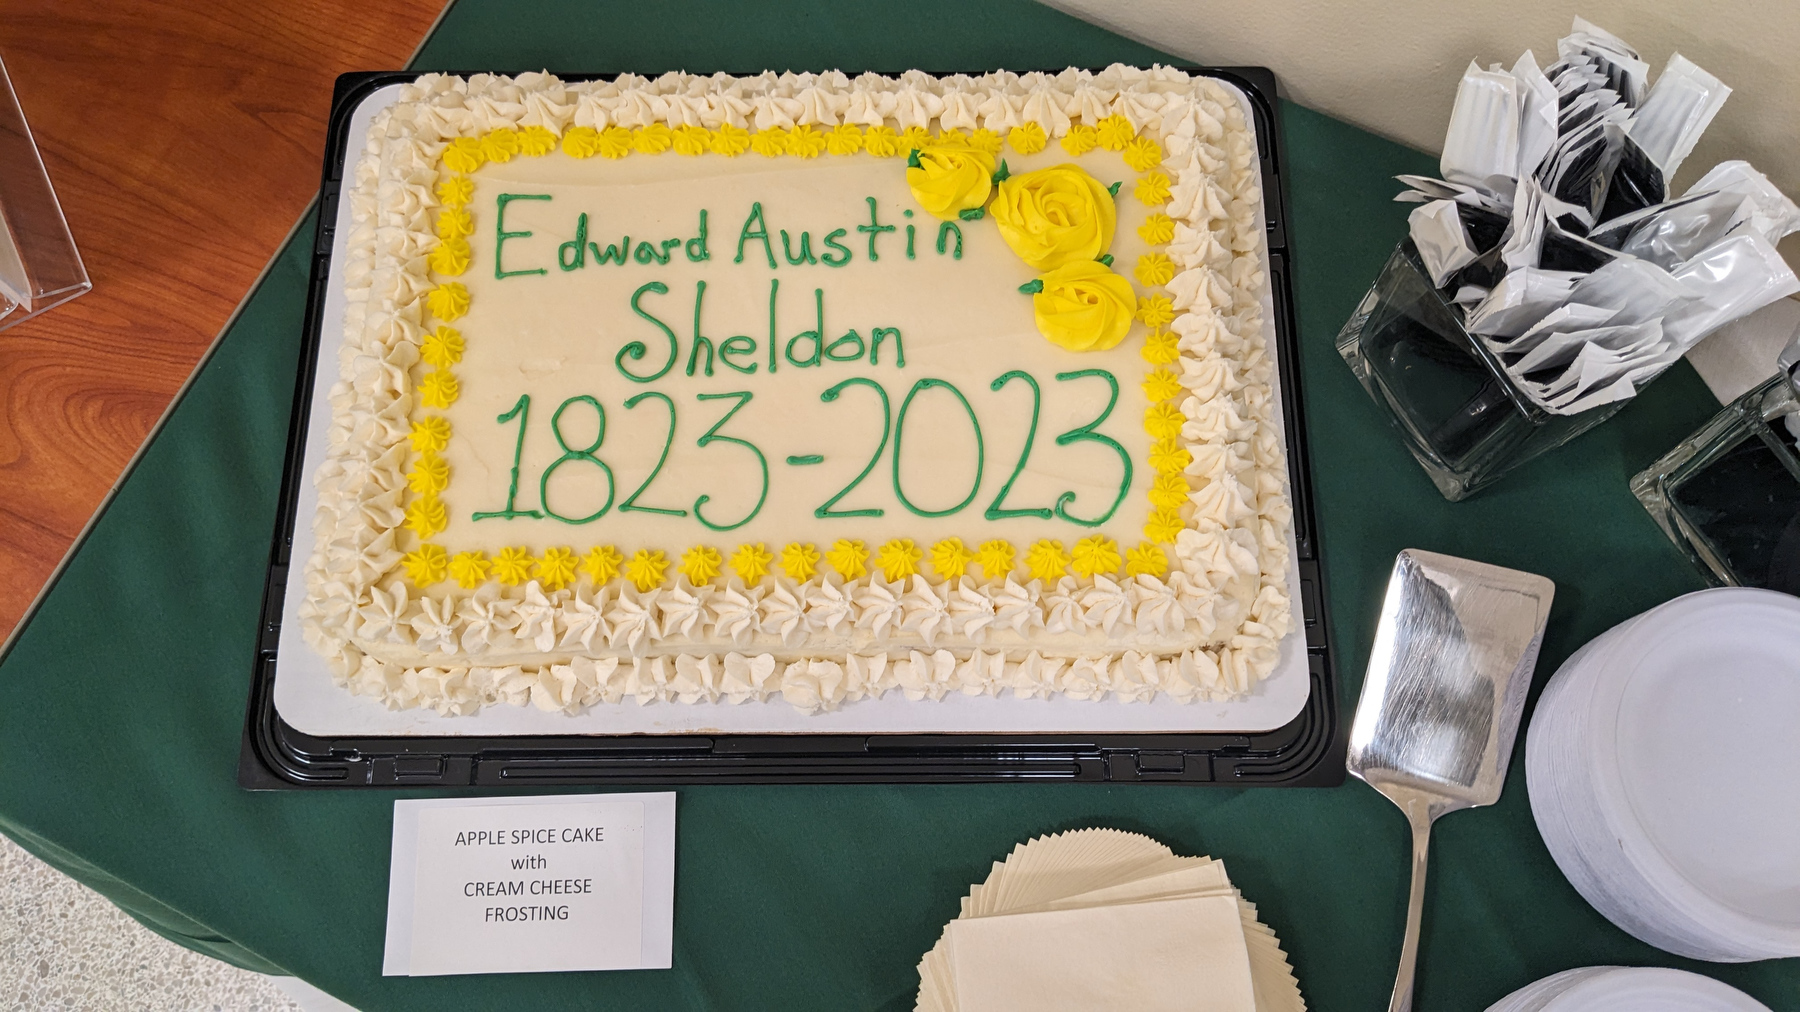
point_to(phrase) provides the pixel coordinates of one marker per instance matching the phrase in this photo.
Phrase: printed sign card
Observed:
(531, 884)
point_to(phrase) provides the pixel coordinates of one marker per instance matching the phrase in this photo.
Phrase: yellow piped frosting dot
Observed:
(1046, 560)
(996, 558)
(653, 139)
(443, 347)
(1157, 229)
(1163, 421)
(751, 562)
(1169, 490)
(1027, 138)
(985, 140)
(448, 301)
(951, 139)
(951, 558)
(464, 155)
(456, 191)
(1168, 456)
(770, 143)
(805, 141)
(1161, 385)
(581, 142)
(1146, 560)
(700, 564)
(455, 223)
(426, 515)
(500, 144)
(692, 140)
(1160, 348)
(556, 568)
(898, 559)
(799, 561)
(427, 565)
(882, 142)
(1153, 189)
(536, 141)
(1097, 555)
(730, 140)
(1115, 132)
(614, 142)
(914, 138)
(1155, 310)
(1080, 139)
(429, 435)
(1143, 154)
(1154, 269)
(849, 558)
(844, 139)
(451, 256)
(513, 566)
(430, 473)
(439, 389)
(1163, 526)
(470, 569)
(601, 564)
(646, 569)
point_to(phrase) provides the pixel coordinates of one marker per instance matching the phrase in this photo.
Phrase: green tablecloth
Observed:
(122, 701)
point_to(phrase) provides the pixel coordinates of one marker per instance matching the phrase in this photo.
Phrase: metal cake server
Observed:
(1440, 705)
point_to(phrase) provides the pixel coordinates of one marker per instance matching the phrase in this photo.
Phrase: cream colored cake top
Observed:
(679, 389)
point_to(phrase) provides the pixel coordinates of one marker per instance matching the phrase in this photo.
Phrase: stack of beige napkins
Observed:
(1101, 919)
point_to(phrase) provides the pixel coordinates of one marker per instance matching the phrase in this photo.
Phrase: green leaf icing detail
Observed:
(971, 214)
(1086, 433)
(1105, 258)
(912, 160)
(630, 504)
(900, 428)
(521, 408)
(570, 453)
(825, 512)
(1032, 287)
(1114, 188)
(743, 398)
(1001, 174)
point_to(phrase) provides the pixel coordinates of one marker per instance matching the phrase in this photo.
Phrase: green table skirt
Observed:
(121, 702)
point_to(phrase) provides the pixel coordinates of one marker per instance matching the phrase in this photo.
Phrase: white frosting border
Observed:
(1209, 631)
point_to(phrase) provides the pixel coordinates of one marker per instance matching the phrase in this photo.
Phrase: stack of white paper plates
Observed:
(1627, 989)
(1664, 768)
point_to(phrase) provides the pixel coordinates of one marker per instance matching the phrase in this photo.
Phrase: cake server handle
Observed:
(1419, 815)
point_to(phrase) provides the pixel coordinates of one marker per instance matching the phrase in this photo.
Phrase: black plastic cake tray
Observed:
(1307, 751)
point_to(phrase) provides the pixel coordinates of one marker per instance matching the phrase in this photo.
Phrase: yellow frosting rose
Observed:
(1083, 306)
(1055, 216)
(950, 180)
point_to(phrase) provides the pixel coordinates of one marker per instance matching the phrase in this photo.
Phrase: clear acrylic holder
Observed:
(1455, 406)
(39, 265)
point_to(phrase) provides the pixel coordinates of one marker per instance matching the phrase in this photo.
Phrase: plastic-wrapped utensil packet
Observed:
(1676, 112)
(1521, 299)
(1481, 148)
(1437, 230)
(1732, 279)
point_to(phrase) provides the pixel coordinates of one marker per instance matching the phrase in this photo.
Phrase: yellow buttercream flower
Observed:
(646, 569)
(1157, 229)
(1160, 348)
(692, 140)
(1153, 189)
(1054, 216)
(1164, 526)
(1083, 306)
(427, 565)
(951, 558)
(448, 301)
(451, 256)
(770, 143)
(1027, 138)
(701, 563)
(730, 140)
(426, 515)
(439, 389)
(882, 142)
(1146, 560)
(1169, 490)
(1115, 132)
(844, 139)
(985, 140)
(913, 138)
(556, 568)
(614, 142)
(456, 191)
(1154, 269)
(513, 566)
(464, 155)
(751, 562)
(1095, 556)
(947, 181)
(430, 435)
(1167, 456)
(430, 473)
(470, 569)
(581, 142)
(898, 559)
(442, 347)
(1080, 140)
(602, 564)
(536, 141)
(1143, 154)
(1161, 385)
(996, 558)
(1163, 421)
(849, 558)
(1047, 561)
(454, 223)
(805, 141)
(653, 139)
(1155, 310)
(500, 144)
(799, 561)
(951, 138)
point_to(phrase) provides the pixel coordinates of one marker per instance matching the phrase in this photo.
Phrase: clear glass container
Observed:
(39, 266)
(1455, 406)
(1729, 495)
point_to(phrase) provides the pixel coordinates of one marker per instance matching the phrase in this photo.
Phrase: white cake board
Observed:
(308, 700)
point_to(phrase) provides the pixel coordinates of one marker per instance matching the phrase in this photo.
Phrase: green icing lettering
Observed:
(945, 230)
(816, 335)
(522, 409)
(613, 254)
(648, 253)
(900, 430)
(700, 341)
(873, 228)
(737, 345)
(880, 334)
(774, 342)
(696, 247)
(577, 245)
(806, 253)
(832, 246)
(743, 398)
(825, 511)
(911, 234)
(570, 453)
(630, 504)
(995, 510)
(1086, 433)
(851, 340)
(636, 350)
(501, 234)
(809, 458)
(760, 232)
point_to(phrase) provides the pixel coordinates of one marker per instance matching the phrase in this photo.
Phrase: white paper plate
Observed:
(1627, 989)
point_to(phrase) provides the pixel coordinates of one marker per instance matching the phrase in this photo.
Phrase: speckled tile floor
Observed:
(63, 946)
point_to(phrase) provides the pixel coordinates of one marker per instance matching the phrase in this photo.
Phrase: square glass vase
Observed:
(1729, 495)
(1456, 408)
(39, 265)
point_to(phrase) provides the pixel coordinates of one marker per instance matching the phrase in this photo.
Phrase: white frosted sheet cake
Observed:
(796, 403)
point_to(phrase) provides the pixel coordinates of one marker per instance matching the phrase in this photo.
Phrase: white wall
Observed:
(1391, 66)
